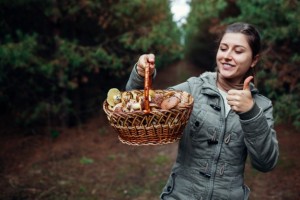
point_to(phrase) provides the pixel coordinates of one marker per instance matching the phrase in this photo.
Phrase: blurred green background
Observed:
(59, 58)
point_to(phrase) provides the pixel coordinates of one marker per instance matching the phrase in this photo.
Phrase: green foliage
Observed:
(287, 109)
(204, 14)
(280, 30)
(59, 58)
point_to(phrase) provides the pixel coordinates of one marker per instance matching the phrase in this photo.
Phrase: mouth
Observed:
(227, 66)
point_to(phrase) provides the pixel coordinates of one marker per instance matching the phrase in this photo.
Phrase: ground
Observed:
(89, 162)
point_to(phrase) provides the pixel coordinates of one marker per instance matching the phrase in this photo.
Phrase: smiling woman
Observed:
(180, 10)
(230, 121)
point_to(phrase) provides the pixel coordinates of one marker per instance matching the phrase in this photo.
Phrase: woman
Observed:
(230, 121)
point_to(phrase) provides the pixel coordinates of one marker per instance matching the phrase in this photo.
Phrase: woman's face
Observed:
(234, 57)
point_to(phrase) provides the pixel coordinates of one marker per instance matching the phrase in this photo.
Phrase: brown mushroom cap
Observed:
(182, 105)
(158, 99)
(169, 103)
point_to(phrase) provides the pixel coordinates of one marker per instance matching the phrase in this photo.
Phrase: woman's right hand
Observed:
(146, 60)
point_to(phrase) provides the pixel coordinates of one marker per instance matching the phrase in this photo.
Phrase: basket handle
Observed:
(147, 86)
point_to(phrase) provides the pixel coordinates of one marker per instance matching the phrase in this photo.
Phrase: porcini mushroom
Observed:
(169, 103)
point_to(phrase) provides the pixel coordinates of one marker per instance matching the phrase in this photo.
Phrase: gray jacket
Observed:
(213, 149)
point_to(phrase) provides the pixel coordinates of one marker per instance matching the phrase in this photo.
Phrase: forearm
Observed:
(260, 139)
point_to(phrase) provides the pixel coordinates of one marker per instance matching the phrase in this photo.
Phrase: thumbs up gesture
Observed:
(241, 100)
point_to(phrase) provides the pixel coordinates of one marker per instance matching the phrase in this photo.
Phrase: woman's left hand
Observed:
(241, 100)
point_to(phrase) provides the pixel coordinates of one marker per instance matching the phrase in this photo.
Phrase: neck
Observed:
(227, 84)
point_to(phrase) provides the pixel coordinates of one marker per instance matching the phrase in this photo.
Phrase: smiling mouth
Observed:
(227, 65)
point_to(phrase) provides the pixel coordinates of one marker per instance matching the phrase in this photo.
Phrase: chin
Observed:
(226, 74)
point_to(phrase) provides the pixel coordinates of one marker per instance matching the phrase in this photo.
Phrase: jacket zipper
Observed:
(218, 148)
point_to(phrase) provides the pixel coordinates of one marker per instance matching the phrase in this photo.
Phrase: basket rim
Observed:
(141, 112)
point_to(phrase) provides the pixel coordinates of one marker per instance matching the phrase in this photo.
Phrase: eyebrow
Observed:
(234, 45)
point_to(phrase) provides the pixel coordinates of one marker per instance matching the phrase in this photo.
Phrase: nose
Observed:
(227, 55)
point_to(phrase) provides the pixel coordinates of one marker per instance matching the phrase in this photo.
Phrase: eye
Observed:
(239, 50)
(223, 48)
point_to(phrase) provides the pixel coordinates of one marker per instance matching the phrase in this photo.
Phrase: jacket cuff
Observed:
(254, 111)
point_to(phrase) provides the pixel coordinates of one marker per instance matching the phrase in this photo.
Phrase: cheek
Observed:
(219, 55)
(244, 60)
(244, 65)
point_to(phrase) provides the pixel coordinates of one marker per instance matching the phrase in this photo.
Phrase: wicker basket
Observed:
(149, 127)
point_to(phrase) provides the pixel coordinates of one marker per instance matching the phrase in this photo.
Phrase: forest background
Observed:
(58, 59)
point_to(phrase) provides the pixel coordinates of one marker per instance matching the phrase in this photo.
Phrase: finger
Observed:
(148, 59)
(151, 58)
(247, 83)
(235, 108)
(232, 103)
(233, 92)
(144, 61)
(233, 98)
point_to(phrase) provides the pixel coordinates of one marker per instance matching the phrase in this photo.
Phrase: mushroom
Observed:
(158, 99)
(185, 97)
(169, 103)
(182, 105)
(126, 96)
(168, 94)
(136, 106)
(113, 96)
(118, 108)
(136, 94)
(154, 106)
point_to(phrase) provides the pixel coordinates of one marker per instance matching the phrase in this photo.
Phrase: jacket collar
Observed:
(210, 88)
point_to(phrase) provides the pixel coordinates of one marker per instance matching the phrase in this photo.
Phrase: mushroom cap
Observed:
(136, 94)
(158, 99)
(136, 106)
(182, 105)
(118, 107)
(169, 103)
(169, 93)
(185, 97)
(113, 96)
(126, 96)
(151, 93)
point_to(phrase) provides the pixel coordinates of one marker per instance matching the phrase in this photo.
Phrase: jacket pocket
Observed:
(242, 193)
(180, 185)
(246, 192)
(238, 189)
(169, 187)
(196, 122)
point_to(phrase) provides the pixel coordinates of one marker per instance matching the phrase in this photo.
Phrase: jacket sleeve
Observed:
(136, 81)
(185, 86)
(260, 137)
(189, 86)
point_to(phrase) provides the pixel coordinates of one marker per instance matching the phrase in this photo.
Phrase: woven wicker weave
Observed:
(150, 127)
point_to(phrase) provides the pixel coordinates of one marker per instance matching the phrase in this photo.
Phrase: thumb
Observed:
(247, 83)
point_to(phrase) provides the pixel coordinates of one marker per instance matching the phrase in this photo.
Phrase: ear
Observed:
(255, 60)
